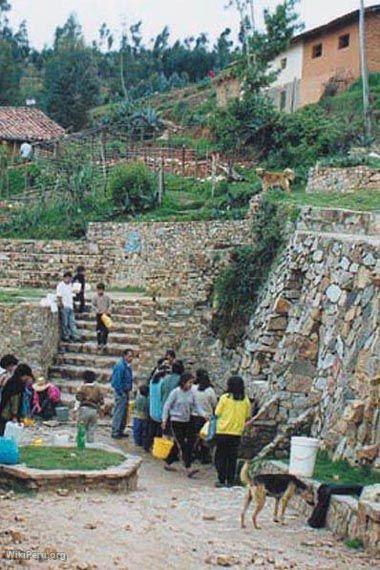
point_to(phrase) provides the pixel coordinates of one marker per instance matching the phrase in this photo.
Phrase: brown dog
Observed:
(281, 487)
(273, 179)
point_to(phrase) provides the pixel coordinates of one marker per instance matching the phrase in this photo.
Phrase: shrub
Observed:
(132, 187)
(237, 288)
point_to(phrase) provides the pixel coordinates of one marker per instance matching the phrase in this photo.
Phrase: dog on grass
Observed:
(281, 487)
(272, 179)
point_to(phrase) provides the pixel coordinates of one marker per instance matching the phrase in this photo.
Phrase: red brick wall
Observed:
(373, 42)
(344, 63)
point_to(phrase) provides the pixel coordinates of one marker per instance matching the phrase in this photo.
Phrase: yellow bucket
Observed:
(162, 447)
(107, 321)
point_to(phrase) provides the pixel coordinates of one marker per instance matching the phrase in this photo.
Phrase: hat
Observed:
(40, 385)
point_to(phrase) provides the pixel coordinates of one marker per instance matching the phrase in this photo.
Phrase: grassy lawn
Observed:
(128, 289)
(68, 458)
(364, 200)
(341, 472)
(14, 296)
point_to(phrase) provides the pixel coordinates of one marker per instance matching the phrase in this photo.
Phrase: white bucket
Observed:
(303, 454)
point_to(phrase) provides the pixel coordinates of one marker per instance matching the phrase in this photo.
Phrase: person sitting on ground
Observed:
(206, 399)
(171, 381)
(155, 407)
(12, 395)
(65, 299)
(178, 409)
(141, 415)
(102, 304)
(80, 277)
(90, 398)
(8, 364)
(232, 411)
(45, 398)
(122, 383)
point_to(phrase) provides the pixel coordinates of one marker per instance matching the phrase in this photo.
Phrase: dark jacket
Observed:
(122, 377)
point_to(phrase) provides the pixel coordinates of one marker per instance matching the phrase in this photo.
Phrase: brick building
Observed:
(326, 57)
(331, 54)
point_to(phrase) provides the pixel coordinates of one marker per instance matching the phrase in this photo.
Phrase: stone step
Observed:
(91, 348)
(132, 329)
(67, 372)
(127, 320)
(72, 387)
(97, 360)
(128, 340)
(70, 400)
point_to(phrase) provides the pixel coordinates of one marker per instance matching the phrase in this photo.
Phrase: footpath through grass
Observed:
(70, 458)
(16, 296)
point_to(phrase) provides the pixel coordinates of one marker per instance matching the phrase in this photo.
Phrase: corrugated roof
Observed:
(27, 124)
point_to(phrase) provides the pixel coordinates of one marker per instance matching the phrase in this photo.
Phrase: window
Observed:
(344, 41)
(317, 51)
(284, 62)
(282, 100)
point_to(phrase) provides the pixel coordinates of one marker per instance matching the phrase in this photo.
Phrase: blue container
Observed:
(9, 453)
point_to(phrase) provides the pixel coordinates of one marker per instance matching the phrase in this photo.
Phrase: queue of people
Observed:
(176, 404)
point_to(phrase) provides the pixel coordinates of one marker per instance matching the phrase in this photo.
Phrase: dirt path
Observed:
(170, 523)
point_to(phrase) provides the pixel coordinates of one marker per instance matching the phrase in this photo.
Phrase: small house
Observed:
(19, 125)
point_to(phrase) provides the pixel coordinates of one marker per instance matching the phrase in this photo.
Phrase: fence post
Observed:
(213, 174)
(183, 159)
(161, 183)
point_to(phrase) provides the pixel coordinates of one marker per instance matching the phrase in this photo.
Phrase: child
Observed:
(140, 416)
(80, 277)
(90, 398)
(102, 305)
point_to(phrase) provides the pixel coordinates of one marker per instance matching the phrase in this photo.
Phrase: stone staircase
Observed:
(74, 358)
(40, 264)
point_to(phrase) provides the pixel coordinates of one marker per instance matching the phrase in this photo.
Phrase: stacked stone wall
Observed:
(314, 340)
(327, 179)
(31, 332)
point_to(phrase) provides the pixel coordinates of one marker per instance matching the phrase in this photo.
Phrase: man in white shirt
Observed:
(65, 299)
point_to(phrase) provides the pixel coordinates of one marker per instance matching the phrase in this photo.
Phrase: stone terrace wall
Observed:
(326, 179)
(31, 332)
(315, 340)
(172, 257)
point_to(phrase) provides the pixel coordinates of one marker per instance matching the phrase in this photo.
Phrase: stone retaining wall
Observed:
(31, 332)
(327, 179)
(314, 339)
(170, 257)
(347, 516)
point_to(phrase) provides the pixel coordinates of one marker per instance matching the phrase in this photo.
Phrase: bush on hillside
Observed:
(132, 187)
(238, 286)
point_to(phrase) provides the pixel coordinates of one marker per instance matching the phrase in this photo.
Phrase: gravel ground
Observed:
(171, 522)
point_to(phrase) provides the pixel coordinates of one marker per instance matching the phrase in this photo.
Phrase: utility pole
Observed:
(364, 70)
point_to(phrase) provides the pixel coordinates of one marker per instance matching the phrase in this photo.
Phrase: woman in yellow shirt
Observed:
(232, 412)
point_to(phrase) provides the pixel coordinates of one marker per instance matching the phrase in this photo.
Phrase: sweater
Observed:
(232, 415)
(180, 406)
(90, 395)
(122, 377)
(155, 401)
(206, 399)
(141, 409)
(169, 383)
(102, 304)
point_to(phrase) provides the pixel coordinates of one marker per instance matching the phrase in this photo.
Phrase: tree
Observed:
(71, 80)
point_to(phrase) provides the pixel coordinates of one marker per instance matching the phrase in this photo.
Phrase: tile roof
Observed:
(27, 124)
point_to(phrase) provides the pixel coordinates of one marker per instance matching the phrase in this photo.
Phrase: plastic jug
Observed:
(14, 431)
(81, 437)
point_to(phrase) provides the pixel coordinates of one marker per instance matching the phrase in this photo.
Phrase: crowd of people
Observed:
(177, 404)
(173, 403)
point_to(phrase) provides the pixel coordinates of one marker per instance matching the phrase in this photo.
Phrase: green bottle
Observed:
(81, 437)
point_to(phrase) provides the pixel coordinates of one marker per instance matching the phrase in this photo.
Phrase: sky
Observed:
(184, 17)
